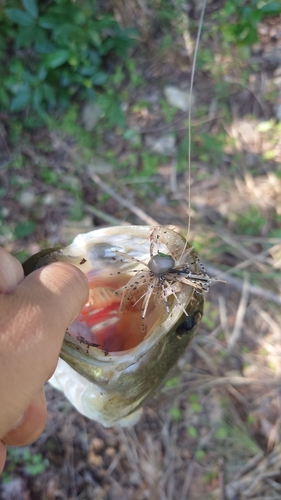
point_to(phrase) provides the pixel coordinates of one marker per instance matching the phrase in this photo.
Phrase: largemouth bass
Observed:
(146, 296)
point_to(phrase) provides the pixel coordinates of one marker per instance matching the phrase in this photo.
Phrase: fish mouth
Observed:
(105, 322)
(113, 320)
(135, 324)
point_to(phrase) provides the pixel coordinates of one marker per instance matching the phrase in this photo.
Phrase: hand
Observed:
(34, 314)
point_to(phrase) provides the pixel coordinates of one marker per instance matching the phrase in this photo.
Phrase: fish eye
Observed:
(161, 264)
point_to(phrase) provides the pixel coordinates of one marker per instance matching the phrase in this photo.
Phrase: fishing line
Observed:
(198, 36)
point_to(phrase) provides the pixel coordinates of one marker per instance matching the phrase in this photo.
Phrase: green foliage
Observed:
(31, 463)
(109, 105)
(250, 222)
(210, 316)
(193, 400)
(235, 435)
(172, 382)
(192, 432)
(210, 148)
(210, 476)
(24, 229)
(200, 455)
(76, 211)
(176, 414)
(150, 163)
(53, 52)
(168, 111)
(238, 19)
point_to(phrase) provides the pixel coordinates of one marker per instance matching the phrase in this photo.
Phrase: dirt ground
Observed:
(212, 431)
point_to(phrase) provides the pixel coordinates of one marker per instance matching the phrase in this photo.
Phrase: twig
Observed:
(188, 480)
(223, 317)
(123, 202)
(234, 336)
(203, 355)
(173, 177)
(250, 465)
(172, 126)
(233, 380)
(237, 395)
(267, 318)
(255, 259)
(221, 481)
(238, 284)
(106, 217)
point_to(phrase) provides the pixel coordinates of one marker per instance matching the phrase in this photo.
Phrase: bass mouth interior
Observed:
(105, 322)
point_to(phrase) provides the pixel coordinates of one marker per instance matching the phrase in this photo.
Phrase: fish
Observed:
(146, 299)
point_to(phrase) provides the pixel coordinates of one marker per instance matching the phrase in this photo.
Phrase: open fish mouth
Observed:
(146, 296)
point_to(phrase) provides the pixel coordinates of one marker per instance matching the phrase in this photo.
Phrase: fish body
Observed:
(136, 323)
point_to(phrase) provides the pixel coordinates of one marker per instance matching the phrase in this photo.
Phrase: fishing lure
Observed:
(163, 274)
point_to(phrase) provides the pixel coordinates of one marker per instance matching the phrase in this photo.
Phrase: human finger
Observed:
(31, 424)
(11, 272)
(32, 324)
(2, 456)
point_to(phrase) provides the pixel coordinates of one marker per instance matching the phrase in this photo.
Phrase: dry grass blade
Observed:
(223, 317)
(188, 480)
(242, 251)
(234, 336)
(238, 285)
(233, 380)
(122, 201)
(203, 355)
(267, 318)
(113, 221)
(247, 482)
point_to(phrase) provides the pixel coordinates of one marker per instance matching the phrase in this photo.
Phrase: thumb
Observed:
(32, 325)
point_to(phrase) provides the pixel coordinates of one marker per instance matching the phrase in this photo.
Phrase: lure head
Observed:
(160, 264)
(113, 357)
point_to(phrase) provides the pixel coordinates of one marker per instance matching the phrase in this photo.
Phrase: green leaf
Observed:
(25, 36)
(37, 96)
(272, 8)
(57, 58)
(192, 431)
(99, 78)
(4, 97)
(172, 382)
(49, 94)
(30, 7)
(199, 455)
(66, 33)
(222, 432)
(44, 47)
(21, 99)
(115, 115)
(37, 101)
(35, 469)
(24, 229)
(175, 413)
(19, 17)
(42, 73)
(49, 21)
(196, 407)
